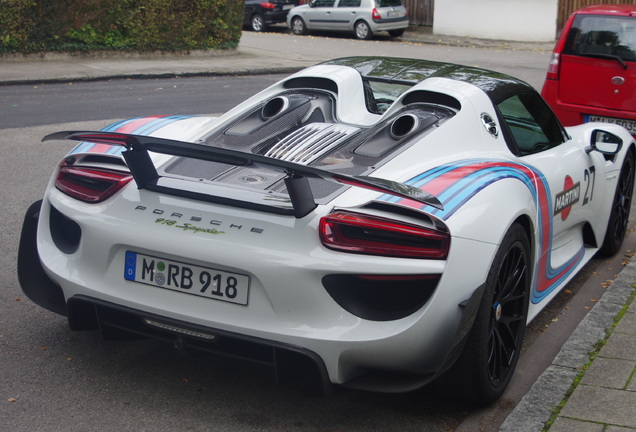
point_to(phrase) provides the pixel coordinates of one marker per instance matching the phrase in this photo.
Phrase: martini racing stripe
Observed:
(455, 184)
(137, 126)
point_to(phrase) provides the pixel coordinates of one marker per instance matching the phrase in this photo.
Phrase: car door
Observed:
(565, 185)
(319, 16)
(345, 14)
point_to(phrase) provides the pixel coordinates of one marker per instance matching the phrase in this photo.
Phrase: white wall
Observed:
(515, 20)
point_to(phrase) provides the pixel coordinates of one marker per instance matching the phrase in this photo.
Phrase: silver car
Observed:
(362, 17)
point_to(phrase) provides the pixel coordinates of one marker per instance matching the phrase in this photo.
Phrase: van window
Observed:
(601, 35)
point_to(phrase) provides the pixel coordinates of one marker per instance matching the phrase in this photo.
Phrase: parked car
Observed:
(386, 222)
(260, 14)
(363, 18)
(592, 73)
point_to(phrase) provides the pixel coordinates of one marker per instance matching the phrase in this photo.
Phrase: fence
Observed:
(420, 11)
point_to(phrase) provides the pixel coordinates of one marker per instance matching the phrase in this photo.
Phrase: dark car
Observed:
(260, 14)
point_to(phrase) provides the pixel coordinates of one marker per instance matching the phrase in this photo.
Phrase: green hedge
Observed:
(30, 26)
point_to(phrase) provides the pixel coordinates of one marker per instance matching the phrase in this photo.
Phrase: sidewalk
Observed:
(600, 394)
(591, 384)
(251, 58)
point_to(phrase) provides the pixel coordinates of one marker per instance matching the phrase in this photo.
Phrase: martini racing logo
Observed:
(565, 200)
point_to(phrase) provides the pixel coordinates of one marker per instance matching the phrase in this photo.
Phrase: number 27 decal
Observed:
(589, 177)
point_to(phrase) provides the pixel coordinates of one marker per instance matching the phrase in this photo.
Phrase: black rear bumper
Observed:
(35, 283)
(114, 322)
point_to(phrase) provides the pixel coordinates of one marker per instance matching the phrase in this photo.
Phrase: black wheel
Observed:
(485, 367)
(257, 23)
(619, 216)
(362, 30)
(396, 33)
(298, 26)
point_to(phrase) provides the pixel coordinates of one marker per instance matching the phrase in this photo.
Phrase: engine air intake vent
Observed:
(311, 142)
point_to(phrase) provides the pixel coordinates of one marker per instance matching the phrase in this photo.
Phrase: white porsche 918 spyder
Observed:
(388, 222)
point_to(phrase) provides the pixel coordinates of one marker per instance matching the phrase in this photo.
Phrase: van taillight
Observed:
(91, 185)
(553, 67)
(372, 235)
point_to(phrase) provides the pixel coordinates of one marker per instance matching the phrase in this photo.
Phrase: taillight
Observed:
(268, 5)
(91, 185)
(553, 67)
(372, 235)
(375, 14)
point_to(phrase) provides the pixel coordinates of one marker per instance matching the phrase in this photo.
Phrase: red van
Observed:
(592, 73)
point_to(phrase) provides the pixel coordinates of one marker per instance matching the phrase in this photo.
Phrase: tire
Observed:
(619, 216)
(257, 23)
(362, 30)
(487, 363)
(298, 26)
(396, 33)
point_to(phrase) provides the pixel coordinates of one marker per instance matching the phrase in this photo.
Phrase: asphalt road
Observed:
(54, 380)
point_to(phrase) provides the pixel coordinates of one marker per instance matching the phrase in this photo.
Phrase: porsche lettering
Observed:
(171, 220)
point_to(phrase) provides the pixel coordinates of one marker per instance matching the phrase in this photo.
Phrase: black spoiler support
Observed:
(296, 180)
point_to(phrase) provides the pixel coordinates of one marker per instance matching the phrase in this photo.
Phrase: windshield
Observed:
(603, 36)
(381, 94)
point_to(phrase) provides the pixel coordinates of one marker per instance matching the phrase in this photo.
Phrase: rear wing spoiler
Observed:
(296, 176)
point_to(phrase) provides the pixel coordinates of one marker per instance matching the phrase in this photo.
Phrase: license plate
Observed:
(187, 278)
(286, 7)
(394, 14)
(630, 125)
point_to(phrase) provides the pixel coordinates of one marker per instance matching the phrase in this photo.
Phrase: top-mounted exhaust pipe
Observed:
(274, 107)
(404, 125)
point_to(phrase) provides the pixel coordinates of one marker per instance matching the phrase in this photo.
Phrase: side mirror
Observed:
(605, 143)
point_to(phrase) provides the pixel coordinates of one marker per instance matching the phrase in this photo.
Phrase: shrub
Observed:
(15, 24)
(137, 25)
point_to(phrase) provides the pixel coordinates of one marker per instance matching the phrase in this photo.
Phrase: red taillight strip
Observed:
(371, 235)
(90, 185)
(553, 67)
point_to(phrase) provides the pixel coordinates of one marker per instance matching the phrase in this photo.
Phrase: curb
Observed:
(542, 401)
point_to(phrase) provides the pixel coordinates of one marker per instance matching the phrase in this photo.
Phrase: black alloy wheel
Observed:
(508, 314)
(485, 367)
(621, 205)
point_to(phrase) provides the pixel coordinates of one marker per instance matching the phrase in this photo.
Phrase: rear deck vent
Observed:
(311, 142)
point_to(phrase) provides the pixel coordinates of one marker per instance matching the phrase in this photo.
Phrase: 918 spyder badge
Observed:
(565, 200)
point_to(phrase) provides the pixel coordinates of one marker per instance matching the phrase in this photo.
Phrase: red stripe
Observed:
(100, 148)
(133, 125)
